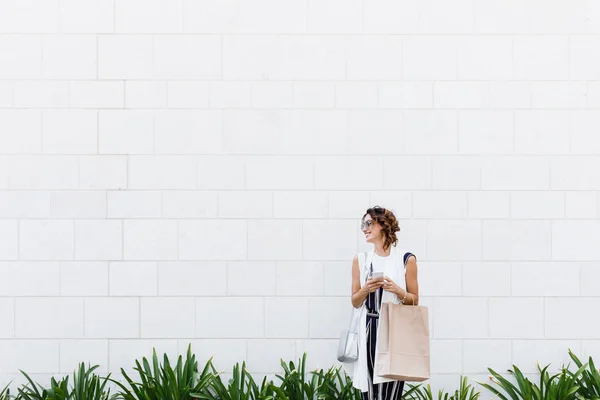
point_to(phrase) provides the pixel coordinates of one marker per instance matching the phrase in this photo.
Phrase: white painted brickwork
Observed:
(176, 171)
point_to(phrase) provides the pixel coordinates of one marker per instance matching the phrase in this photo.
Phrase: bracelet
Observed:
(404, 298)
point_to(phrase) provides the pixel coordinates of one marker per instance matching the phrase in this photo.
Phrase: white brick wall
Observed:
(169, 168)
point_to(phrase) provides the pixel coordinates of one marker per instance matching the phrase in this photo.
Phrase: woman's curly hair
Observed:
(388, 222)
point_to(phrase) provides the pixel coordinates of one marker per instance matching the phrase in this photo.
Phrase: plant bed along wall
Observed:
(157, 379)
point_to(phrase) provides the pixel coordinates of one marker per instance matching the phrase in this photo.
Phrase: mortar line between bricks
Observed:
(312, 34)
(278, 338)
(261, 338)
(293, 296)
(174, 339)
(320, 191)
(290, 218)
(534, 156)
(315, 109)
(292, 80)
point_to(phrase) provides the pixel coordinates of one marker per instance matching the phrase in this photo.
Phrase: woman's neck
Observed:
(380, 251)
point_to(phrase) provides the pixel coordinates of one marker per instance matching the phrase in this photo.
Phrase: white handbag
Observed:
(348, 344)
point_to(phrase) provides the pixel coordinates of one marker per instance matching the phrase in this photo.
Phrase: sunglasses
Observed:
(366, 224)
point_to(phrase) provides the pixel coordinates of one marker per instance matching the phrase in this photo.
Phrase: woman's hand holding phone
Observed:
(374, 282)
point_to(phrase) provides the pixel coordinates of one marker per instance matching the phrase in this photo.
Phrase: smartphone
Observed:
(377, 274)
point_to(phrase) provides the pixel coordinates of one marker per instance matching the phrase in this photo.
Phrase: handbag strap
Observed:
(355, 319)
(368, 264)
(356, 312)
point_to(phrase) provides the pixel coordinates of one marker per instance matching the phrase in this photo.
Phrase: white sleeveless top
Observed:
(393, 267)
(382, 264)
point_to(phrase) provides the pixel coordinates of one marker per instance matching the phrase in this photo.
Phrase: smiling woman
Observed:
(385, 274)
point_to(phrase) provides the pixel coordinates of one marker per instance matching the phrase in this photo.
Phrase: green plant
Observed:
(335, 385)
(5, 393)
(560, 386)
(183, 381)
(411, 389)
(465, 391)
(89, 386)
(86, 386)
(589, 381)
(240, 387)
(58, 390)
(295, 385)
(163, 382)
(421, 392)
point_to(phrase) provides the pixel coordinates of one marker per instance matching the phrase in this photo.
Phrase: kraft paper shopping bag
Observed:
(403, 343)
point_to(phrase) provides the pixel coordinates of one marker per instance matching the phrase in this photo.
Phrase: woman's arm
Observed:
(412, 283)
(358, 293)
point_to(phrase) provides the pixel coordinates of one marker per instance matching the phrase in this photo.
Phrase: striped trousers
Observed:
(386, 390)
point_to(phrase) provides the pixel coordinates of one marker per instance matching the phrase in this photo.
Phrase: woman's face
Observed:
(371, 229)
